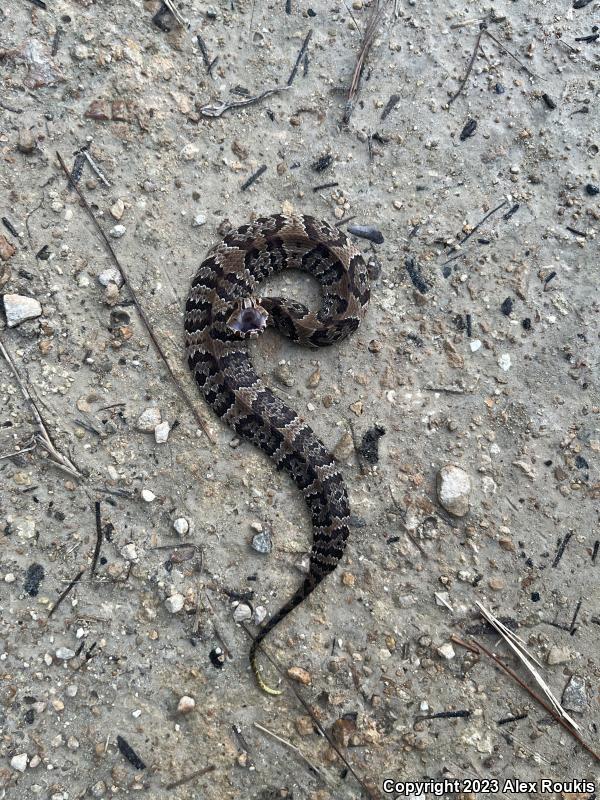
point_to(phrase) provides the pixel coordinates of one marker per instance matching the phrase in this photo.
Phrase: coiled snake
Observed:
(223, 311)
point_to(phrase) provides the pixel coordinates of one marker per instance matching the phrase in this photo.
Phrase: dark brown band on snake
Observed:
(224, 311)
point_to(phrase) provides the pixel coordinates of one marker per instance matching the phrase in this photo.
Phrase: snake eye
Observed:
(249, 320)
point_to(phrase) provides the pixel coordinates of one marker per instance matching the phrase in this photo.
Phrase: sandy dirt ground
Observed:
(479, 353)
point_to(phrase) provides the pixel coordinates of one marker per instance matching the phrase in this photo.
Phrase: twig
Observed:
(479, 224)
(191, 777)
(470, 65)
(205, 57)
(537, 698)
(139, 307)
(517, 645)
(243, 745)
(99, 537)
(561, 548)
(315, 770)
(218, 109)
(506, 50)
(379, 7)
(181, 20)
(303, 49)
(253, 178)
(42, 437)
(95, 167)
(65, 592)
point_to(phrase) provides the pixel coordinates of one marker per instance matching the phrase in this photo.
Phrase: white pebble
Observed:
(504, 362)
(148, 496)
(454, 489)
(129, 552)
(117, 231)
(148, 420)
(174, 603)
(446, 651)
(181, 525)
(65, 653)
(199, 220)
(260, 613)
(475, 345)
(242, 613)
(186, 704)
(161, 432)
(19, 308)
(9, 578)
(19, 762)
(111, 275)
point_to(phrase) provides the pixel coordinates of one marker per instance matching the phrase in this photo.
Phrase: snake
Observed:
(225, 311)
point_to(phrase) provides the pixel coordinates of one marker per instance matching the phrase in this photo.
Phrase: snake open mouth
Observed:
(249, 320)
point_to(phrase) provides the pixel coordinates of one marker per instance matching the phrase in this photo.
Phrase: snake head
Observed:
(249, 319)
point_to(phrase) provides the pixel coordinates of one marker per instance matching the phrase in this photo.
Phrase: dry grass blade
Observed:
(518, 647)
(315, 770)
(140, 310)
(42, 437)
(377, 12)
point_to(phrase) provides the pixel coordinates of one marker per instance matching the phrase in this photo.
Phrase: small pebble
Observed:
(111, 275)
(148, 496)
(19, 308)
(262, 542)
(454, 489)
(199, 220)
(242, 613)
(65, 653)
(174, 603)
(505, 362)
(181, 525)
(186, 704)
(300, 675)
(558, 655)
(475, 345)
(117, 231)
(591, 189)
(118, 209)
(19, 762)
(260, 614)
(574, 697)
(129, 552)
(148, 420)
(161, 432)
(7, 250)
(446, 651)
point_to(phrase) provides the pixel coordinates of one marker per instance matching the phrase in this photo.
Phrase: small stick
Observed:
(325, 186)
(539, 699)
(218, 109)
(171, 6)
(42, 437)
(204, 51)
(506, 720)
(561, 548)
(191, 777)
(253, 178)
(243, 744)
(506, 50)
(479, 224)
(470, 64)
(10, 227)
(139, 307)
(445, 715)
(301, 54)
(572, 628)
(99, 537)
(95, 167)
(65, 592)
(315, 770)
